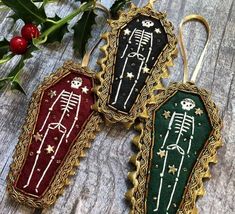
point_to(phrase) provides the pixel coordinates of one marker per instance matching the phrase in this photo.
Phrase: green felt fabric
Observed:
(202, 131)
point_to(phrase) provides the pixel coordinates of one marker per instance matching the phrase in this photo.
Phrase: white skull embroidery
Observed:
(187, 104)
(76, 82)
(147, 23)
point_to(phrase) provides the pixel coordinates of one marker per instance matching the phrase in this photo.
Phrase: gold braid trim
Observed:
(139, 178)
(72, 160)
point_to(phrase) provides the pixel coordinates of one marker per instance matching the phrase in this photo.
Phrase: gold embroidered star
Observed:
(130, 75)
(146, 70)
(85, 89)
(161, 153)
(52, 94)
(198, 111)
(172, 169)
(166, 114)
(127, 32)
(157, 30)
(50, 149)
(37, 137)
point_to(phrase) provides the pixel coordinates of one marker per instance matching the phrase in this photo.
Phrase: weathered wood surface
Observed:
(101, 181)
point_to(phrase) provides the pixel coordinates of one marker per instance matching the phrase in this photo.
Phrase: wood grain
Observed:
(101, 181)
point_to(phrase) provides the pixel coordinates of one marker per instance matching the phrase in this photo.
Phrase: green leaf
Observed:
(117, 5)
(45, 1)
(27, 11)
(82, 1)
(15, 85)
(3, 83)
(4, 48)
(14, 74)
(15, 71)
(14, 16)
(6, 58)
(12, 77)
(82, 31)
(58, 34)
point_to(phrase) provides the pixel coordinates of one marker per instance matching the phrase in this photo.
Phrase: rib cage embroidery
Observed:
(52, 136)
(139, 48)
(183, 123)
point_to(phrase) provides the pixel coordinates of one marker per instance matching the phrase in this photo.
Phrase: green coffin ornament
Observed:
(176, 144)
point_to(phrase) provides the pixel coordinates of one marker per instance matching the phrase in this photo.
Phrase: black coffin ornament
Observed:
(140, 47)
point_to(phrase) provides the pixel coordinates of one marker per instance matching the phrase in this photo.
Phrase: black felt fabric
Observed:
(134, 61)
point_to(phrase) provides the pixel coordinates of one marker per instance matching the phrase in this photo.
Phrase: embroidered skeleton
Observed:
(143, 39)
(183, 123)
(69, 101)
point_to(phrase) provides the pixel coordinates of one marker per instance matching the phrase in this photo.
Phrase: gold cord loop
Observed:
(183, 49)
(86, 58)
(99, 6)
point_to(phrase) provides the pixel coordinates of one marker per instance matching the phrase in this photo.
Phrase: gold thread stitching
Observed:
(77, 150)
(137, 195)
(154, 80)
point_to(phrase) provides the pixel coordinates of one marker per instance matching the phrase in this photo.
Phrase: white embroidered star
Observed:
(157, 30)
(38, 136)
(146, 70)
(161, 153)
(130, 75)
(172, 169)
(198, 111)
(166, 114)
(50, 149)
(85, 89)
(127, 32)
(52, 94)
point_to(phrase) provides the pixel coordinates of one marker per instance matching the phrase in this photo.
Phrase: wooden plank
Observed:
(101, 181)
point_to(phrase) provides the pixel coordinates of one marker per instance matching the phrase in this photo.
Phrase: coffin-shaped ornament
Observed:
(176, 145)
(140, 47)
(59, 127)
(177, 142)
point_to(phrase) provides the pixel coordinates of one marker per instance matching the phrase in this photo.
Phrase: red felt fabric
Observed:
(54, 135)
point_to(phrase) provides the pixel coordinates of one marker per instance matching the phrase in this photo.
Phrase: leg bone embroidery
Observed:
(142, 39)
(182, 123)
(69, 101)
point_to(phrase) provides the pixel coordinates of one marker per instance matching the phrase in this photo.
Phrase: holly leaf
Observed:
(3, 83)
(15, 71)
(82, 31)
(14, 16)
(45, 1)
(82, 1)
(27, 11)
(12, 77)
(117, 5)
(58, 34)
(15, 85)
(4, 48)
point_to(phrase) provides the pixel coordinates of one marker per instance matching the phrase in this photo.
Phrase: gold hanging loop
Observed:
(86, 57)
(186, 19)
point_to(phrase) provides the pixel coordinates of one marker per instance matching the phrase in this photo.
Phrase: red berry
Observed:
(18, 45)
(30, 31)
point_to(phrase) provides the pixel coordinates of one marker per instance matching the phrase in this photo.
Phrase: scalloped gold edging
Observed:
(136, 195)
(77, 151)
(154, 80)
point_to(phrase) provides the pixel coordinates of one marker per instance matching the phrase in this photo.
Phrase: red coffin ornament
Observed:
(59, 126)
